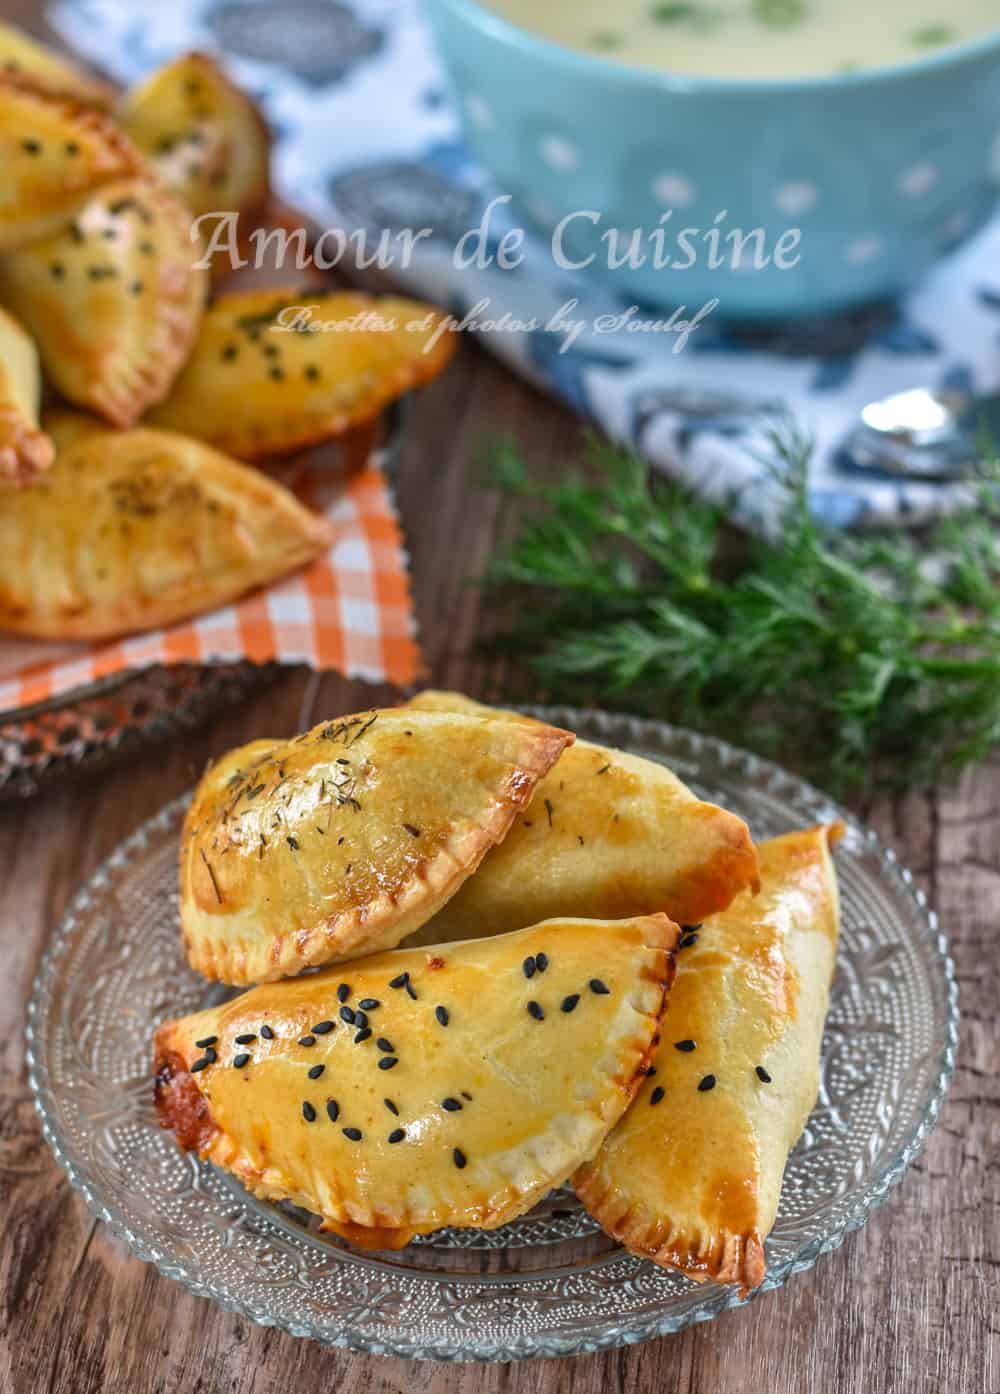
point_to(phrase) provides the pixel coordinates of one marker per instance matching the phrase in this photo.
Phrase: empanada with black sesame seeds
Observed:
(23, 56)
(132, 530)
(347, 838)
(204, 136)
(606, 833)
(277, 370)
(692, 1175)
(25, 449)
(54, 153)
(411, 1090)
(114, 299)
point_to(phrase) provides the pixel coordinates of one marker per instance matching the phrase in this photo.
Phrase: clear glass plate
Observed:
(551, 1283)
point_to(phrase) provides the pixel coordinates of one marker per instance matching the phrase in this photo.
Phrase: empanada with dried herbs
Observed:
(411, 1090)
(276, 370)
(606, 834)
(25, 449)
(114, 299)
(692, 1175)
(132, 530)
(345, 839)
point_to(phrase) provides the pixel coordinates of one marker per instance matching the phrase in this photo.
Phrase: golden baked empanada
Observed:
(258, 385)
(114, 299)
(25, 450)
(205, 137)
(411, 1090)
(691, 1176)
(23, 56)
(347, 838)
(607, 834)
(54, 153)
(130, 530)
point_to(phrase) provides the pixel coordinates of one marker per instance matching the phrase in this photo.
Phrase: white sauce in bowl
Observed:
(755, 38)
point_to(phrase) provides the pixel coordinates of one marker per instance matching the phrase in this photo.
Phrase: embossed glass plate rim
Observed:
(630, 732)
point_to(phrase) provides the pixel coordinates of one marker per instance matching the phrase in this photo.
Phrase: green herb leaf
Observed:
(931, 35)
(779, 14)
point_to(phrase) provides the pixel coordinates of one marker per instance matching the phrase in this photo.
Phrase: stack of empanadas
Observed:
(103, 266)
(493, 908)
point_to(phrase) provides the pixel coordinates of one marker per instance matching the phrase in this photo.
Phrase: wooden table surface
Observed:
(910, 1303)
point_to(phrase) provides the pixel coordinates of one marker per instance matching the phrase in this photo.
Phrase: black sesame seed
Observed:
(391, 1107)
(308, 1112)
(229, 353)
(343, 992)
(528, 966)
(241, 1061)
(353, 1133)
(450, 1105)
(690, 928)
(137, 287)
(311, 372)
(385, 1045)
(414, 832)
(211, 1056)
(442, 1015)
(706, 1084)
(598, 988)
(657, 1094)
(387, 1062)
(400, 980)
(362, 1035)
(31, 147)
(72, 148)
(207, 1041)
(687, 941)
(278, 374)
(541, 962)
(247, 1039)
(410, 990)
(568, 1003)
(332, 1110)
(368, 1004)
(466, 1095)
(396, 1135)
(684, 1045)
(266, 1033)
(316, 1071)
(307, 1040)
(322, 1028)
(535, 1010)
(58, 270)
(200, 1064)
(361, 1020)
(762, 1074)
(347, 1014)
(458, 1157)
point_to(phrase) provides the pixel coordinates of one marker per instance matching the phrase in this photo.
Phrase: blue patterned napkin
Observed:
(367, 139)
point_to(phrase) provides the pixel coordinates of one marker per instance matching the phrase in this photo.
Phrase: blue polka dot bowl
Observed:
(779, 198)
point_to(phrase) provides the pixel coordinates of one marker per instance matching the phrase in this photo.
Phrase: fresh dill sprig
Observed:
(852, 658)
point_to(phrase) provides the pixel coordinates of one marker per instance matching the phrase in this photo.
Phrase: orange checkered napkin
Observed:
(350, 610)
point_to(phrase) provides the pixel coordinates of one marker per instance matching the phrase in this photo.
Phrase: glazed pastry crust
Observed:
(21, 56)
(55, 153)
(204, 136)
(114, 299)
(137, 529)
(25, 450)
(255, 389)
(607, 834)
(693, 1181)
(529, 1099)
(347, 838)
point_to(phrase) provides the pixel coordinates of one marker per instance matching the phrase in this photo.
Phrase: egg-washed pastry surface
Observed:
(22, 56)
(345, 839)
(54, 153)
(411, 1090)
(691, 1177)
(274, 371)
(606, 834)
(25, 450)
(131, 530)
(204, 136)
(114, 298)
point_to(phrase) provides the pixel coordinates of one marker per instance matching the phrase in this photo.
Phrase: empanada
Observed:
(25, 450)
(130, 530)
(691, 1176)
(205, 137)
(23, 56)
(411, 1090)
(606, 834)
(114, 299)
(276, 370)
(347, 838)
(54, 153)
